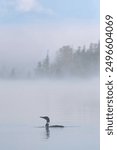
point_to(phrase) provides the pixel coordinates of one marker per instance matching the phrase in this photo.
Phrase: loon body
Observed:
(48, 121)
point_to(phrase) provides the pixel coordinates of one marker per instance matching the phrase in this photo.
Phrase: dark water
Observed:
(74, 104)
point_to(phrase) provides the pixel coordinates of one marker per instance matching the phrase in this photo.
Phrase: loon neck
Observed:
(47, 125)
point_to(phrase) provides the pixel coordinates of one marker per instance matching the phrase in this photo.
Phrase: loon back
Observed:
(56, 126)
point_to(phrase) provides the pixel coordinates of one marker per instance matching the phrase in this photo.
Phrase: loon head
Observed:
(46, 118)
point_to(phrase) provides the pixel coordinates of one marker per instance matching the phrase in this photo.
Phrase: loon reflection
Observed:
(47, 126)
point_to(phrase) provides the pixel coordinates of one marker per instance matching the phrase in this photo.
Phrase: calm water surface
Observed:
(74, 104)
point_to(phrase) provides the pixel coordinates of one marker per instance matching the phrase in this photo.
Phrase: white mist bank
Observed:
(23, 101)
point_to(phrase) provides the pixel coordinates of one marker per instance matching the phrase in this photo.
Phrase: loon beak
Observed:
(42, 117)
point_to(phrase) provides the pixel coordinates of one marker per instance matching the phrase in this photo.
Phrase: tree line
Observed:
(68, 62)
(71, 62)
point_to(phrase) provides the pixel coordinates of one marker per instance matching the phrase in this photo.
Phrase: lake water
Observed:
(72, 103)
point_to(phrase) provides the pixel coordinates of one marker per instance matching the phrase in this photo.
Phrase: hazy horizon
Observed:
(35, 83)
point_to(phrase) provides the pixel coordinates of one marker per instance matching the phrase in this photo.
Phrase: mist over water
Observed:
(73, 103)
(49, 66)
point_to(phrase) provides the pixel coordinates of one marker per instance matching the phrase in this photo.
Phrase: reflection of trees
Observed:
(70, 62)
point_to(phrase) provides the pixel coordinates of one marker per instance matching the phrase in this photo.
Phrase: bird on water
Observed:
(48, 121)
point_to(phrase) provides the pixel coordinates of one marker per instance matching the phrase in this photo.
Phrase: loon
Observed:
(47, 126)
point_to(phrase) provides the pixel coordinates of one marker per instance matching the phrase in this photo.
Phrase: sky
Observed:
(28, 28)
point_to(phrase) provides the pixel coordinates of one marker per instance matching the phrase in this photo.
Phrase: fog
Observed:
(50, 70)
(24, 101)
(72, 102)
(26, 44)
(68, 62)
(49, 66)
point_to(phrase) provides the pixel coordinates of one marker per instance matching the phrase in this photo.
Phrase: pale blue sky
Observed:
(36, 11)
